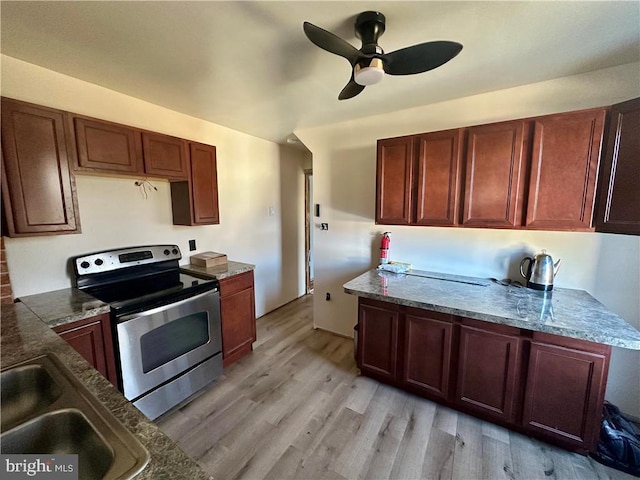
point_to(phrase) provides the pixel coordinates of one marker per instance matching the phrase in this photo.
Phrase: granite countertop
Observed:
(68, 305)
(60, 307)
(566, 312)
(24, 336)
(221, 271)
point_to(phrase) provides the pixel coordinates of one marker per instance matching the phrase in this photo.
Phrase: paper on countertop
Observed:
(395, 267)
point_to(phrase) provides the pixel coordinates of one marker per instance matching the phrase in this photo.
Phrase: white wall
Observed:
(253, 175)
(344, 157)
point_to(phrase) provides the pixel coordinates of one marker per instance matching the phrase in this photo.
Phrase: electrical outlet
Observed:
(327, 297)
(192, 245)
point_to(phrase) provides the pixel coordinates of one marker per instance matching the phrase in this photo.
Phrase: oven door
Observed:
(160, 344)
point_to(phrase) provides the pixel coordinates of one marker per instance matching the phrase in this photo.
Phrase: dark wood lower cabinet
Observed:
(92, 339)
(565, 390)
(489, 370)
(543, 385)
(428, 343)
(237, 309)
(378, 340)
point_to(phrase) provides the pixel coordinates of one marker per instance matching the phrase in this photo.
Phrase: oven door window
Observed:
(172, 340)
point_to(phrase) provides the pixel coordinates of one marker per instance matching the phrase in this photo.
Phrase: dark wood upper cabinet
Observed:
(38, 189)
(204, 178)
(165, 156)
(495, 175)
(564, 168)
(195, 201)
(394, 188)
(439, 177)
(106, 147)
(619, 189)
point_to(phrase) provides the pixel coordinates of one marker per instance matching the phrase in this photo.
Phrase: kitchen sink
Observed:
(25, 391)
(62, 431)
(45, 409)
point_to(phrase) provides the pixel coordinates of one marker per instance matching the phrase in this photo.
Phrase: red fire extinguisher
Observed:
(384, 248)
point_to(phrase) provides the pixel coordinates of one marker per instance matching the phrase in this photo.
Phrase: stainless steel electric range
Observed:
(166, 323)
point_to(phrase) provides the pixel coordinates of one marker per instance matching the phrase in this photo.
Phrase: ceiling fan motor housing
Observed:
(369, 27)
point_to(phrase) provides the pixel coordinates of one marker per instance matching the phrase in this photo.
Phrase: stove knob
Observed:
(99, 261)
(85, 264)
(166, 251)
(174, 251)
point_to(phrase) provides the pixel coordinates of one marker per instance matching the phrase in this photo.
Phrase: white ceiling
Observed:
(248, 65)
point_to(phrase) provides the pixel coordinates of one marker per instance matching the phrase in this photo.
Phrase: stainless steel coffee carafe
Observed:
(540, 271)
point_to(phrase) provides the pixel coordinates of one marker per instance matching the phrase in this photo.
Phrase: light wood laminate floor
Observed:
(297, 409)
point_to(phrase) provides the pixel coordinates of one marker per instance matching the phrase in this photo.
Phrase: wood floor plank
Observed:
(351, 460)
(321, 461)
(383, 452)
(199, 441)
(438, 460)
(496, 460)
(467, 455)
(287, 465)
(295, 408)
(531, 459)
(411, 453)
(446, 420)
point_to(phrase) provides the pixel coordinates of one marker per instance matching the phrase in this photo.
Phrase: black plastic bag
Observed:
(619, 445)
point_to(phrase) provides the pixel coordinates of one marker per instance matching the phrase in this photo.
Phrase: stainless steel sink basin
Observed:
(25, 391)
(45, 409)
(60, 432)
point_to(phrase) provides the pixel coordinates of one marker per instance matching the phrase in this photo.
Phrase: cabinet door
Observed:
(427, 352)
(394, 183)
(378, 339)
(165, 156)
(494, 175)
(38, 190)
(565, 392)
(92, 339)
(439, 177)
(619, 190)
(204, 182)
(564, 167)
(237, 309)
(108, 147)
(489, 371)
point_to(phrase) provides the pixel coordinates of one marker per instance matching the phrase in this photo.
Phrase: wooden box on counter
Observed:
(208, 259)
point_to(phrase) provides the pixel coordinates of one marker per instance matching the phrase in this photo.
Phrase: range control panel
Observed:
(110, 260)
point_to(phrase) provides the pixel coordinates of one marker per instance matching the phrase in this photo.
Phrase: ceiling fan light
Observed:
(369, 74)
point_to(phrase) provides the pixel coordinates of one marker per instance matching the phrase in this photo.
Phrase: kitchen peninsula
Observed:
(531, 361)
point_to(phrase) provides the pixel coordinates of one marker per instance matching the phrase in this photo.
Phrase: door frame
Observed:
(307, 231)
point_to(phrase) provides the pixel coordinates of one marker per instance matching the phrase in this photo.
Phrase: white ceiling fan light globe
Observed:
(369, 74)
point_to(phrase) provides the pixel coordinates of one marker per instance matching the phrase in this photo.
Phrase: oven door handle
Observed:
(168, 306)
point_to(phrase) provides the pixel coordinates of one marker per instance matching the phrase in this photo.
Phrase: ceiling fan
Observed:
(370, 63)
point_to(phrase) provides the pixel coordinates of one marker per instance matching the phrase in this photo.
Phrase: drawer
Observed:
(237, 283)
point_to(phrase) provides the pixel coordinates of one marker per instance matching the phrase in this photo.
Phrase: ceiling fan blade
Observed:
(351, 89)
(420, 58)
(331, 43)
